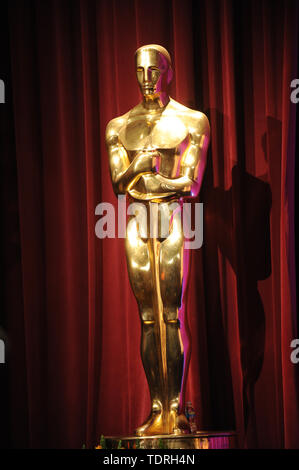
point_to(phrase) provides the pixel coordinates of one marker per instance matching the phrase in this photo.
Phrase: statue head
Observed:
(153, 69)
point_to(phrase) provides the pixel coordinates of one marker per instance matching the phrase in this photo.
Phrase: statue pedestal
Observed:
(200, 440)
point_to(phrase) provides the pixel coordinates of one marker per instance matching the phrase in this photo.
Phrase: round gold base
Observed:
(200, 440)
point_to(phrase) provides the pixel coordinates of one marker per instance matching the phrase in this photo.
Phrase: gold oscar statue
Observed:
(157, 156)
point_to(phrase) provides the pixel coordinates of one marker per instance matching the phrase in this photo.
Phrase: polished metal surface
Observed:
(200, 440)
(157, 155)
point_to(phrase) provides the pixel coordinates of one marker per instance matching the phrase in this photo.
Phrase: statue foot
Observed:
(153, 424)
(173, 421)
(161, 422)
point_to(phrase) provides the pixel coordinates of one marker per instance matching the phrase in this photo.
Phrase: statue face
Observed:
(153, 71)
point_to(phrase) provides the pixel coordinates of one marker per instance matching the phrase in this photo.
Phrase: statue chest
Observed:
(147, 133)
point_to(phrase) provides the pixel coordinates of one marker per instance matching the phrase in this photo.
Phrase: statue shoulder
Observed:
(194, 119)
(201, 123)
(113, 127)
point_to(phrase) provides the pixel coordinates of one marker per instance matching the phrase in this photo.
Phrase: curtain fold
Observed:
(72, 68)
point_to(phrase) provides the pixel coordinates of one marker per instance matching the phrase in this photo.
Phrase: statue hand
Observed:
(148, 161)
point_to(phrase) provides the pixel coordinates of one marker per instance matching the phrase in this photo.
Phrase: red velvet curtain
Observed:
(75, 368)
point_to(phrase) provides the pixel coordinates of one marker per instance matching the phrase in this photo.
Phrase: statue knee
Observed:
(175, 323)
(147, 316)
(170, 316)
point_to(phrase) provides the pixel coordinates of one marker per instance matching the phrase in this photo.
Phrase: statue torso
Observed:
(166, 131)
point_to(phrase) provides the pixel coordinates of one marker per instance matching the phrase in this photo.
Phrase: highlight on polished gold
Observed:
(157, 155)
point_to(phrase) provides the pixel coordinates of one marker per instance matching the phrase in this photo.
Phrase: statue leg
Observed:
(139, 263)
(156, 272)
(171, 280)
